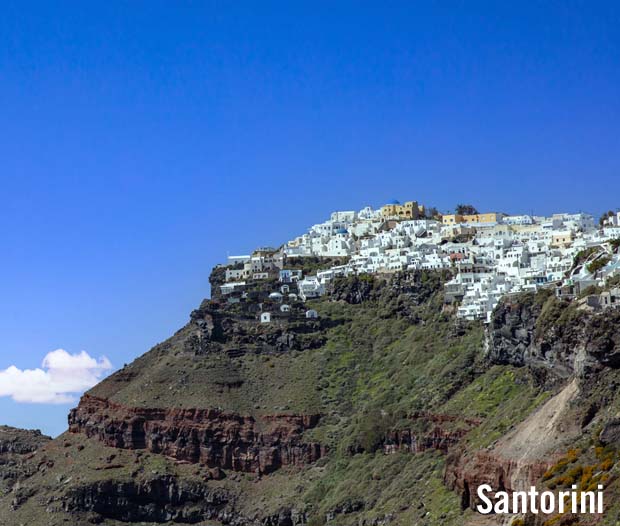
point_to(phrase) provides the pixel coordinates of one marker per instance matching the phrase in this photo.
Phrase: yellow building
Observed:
(409, 210)
(453, 219)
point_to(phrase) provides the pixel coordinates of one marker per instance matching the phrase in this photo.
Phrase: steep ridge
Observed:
(383, 410)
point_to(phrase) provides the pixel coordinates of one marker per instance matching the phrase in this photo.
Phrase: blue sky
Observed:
(141, 142)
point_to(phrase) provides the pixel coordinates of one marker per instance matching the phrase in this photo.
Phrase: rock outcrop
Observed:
(209, 436)
(16, 445)
(416, 287)
(554, 338)
(165, 499)
(215, 327)
(21, 441)
(161, 499)
(444, 433)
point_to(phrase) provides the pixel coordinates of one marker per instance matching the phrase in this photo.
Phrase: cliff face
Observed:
(209, 436)
(239, 422)
(165, 500)
(569, 351)
(384, 410)
(413, 289)
(160, 499)
(216, 327)
(553, 338)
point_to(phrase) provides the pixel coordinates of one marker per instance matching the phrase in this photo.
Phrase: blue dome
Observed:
(393, 202)
(342, 231)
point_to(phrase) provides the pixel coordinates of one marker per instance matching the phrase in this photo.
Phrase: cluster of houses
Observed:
(491, 254)
(289, 289)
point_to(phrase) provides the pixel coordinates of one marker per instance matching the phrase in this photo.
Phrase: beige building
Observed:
(409, 210)
(490, 217)
(562, 239)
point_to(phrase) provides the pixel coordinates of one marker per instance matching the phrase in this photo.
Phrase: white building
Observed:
(521, 252)
(310, 287)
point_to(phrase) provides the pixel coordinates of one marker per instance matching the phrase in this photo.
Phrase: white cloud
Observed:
(62, 376)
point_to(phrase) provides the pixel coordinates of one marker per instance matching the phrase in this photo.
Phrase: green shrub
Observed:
(598, 264)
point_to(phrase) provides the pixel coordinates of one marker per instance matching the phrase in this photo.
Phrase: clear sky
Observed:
(142, 142)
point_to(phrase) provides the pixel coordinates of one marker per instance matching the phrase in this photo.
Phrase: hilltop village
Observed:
(490, 255)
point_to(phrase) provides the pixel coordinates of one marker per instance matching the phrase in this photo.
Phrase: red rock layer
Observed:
(464, 474)
(209, 436)
(437, 437)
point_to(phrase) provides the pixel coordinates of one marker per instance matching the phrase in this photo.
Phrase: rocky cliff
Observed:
(384, 410)
(443, 433)
(208, 436)
(553, 338)
(571, 353)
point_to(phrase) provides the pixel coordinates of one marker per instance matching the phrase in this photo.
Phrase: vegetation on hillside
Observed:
(392, 363)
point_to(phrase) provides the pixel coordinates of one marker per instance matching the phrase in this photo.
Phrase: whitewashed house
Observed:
(290, 275)
(228, 288)
(310, 287)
